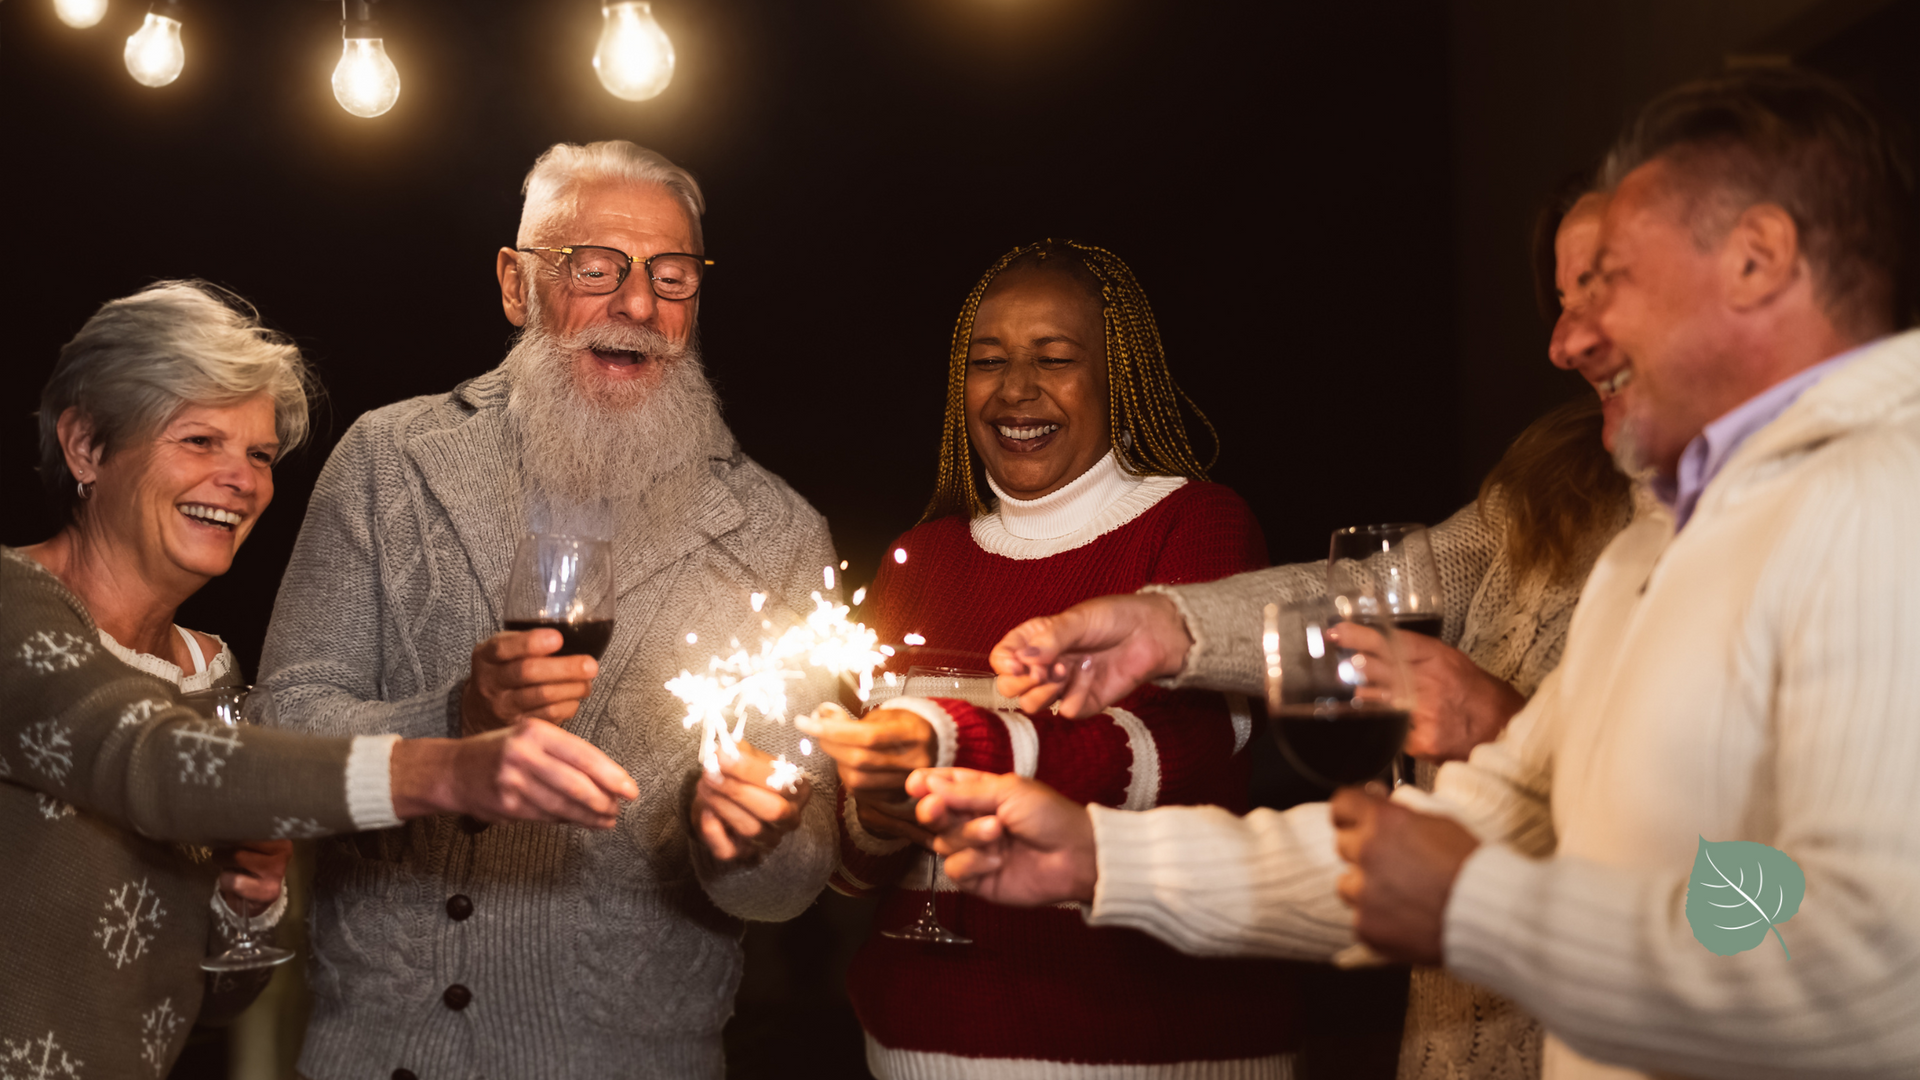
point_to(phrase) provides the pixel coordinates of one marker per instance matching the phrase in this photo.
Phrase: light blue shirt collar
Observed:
(1710, 450)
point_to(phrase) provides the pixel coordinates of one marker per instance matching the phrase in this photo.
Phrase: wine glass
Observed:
(1386, 574)
(232, 706)
(565, 583)
(949, 683)
(1339, 715)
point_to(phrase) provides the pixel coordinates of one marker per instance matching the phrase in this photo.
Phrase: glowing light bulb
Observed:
(154, 54)
(635, 59)
(365, 82)
(80, 14)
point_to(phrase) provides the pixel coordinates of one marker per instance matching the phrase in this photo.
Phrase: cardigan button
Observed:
(471, 825)
(459, 908)
(404, 1074)
(457, 997)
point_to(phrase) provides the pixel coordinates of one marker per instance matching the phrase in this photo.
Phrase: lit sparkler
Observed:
(745, 682)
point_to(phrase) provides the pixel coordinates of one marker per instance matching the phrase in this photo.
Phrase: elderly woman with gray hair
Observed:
(160, 428)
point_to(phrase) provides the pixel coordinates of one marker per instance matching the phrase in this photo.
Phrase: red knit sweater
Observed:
(1040, 983)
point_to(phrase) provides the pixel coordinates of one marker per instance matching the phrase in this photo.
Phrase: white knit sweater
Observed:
(1753, 678)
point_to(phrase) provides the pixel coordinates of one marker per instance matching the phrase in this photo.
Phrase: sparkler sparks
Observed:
(745, 682)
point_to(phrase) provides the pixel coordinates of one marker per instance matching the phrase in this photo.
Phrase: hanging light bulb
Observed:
(80, 14)
(365, 82)
(154, 54)
(635, 59)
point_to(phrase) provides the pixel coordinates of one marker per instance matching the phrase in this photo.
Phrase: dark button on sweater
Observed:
(459, 908)
(404, 1074)
(457, 997)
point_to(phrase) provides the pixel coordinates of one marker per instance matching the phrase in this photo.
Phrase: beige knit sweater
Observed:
(105, 781)
(1752, 678)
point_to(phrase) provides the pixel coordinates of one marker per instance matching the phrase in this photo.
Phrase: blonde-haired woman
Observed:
(1060, 404)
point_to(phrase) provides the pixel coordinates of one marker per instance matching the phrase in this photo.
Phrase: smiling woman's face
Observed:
(1037, 382)
(185, 502)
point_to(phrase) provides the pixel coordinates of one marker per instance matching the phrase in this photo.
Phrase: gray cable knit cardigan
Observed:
(442, 948)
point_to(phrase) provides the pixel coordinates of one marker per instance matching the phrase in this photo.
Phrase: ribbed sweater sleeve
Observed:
(82, 727)
(1213, 884)
(1605, 957)
(1224, 617)
(322, 656)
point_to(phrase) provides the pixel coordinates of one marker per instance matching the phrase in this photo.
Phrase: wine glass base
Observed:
(931, 932)
(248, 959)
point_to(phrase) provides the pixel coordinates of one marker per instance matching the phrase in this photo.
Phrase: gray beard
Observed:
(586, 452)
(1629, 451)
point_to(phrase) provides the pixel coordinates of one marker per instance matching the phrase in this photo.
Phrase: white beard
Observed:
(587, 451)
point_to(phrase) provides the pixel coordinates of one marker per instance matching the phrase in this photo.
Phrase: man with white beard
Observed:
(445, 947)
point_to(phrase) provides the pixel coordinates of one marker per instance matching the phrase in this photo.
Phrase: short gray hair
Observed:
(554, 178)
(142, 358)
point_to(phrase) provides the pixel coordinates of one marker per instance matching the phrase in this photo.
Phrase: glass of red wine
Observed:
(1340, 715)
(1387, 574)
(563, 583)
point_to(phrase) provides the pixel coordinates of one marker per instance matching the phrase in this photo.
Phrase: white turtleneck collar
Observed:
(1091, 505)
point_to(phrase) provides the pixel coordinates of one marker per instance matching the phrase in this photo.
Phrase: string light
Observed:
(80, 14)
(365, 82)
(154, 54)
(634, 59)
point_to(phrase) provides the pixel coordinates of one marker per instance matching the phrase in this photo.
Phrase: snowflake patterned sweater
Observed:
(1039, 993)
(104, 777)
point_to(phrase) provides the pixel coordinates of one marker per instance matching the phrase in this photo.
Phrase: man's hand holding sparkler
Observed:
(874, 755)
(738, 814)
(515, 676)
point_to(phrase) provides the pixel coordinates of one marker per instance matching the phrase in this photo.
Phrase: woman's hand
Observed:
(531, 771)
(738, 816)
(252, 875)
(515, 676)
(1092, 654)
(875, 753)
(1457, 706)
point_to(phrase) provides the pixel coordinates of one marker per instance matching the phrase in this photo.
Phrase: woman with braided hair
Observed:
(1060, 405)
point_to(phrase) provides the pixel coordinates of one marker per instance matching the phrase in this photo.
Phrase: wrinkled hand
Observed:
(531, 771)
(739, 817)
(1009, 839)
(515, 676)
(1401, 873)
(1092, 654)
(1457, 705)
(252, 875)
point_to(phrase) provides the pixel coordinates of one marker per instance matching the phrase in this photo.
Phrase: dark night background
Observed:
(1328, 205)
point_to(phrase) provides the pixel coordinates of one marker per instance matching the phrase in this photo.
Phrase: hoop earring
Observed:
(81, 487)
(1126, 440)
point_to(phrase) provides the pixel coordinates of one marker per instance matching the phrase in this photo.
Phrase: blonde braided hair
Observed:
(1143, 401)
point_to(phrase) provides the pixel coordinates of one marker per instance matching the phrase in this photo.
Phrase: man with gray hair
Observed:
(450, 948)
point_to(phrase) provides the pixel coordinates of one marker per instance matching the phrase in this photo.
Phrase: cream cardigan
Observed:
(1754, 678)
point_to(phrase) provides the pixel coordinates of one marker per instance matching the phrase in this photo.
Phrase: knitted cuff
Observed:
(370, 782)
(863, 840)
(1228, 657)
(260, 923)
(946, 735)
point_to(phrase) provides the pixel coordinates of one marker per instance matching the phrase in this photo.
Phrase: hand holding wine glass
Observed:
(255, 872)
(1340, 715)
(559, 619)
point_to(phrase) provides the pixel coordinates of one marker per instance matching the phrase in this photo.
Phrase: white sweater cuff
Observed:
(1212, 884)
(260, 923)
(946, 734)
(370, 782)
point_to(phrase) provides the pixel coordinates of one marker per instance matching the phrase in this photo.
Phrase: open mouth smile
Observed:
(1611, 387)
(623, 358)
(1024, 434)
(226, 520)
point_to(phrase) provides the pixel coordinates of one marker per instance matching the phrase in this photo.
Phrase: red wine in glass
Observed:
(588, 637)
(563, 583)
(1337, 745)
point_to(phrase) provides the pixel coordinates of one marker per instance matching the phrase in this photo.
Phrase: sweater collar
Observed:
(1052, 516)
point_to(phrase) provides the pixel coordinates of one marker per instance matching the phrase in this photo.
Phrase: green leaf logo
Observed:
(1740, 890)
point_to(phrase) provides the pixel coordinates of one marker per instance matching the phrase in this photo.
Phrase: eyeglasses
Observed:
(674, 275)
